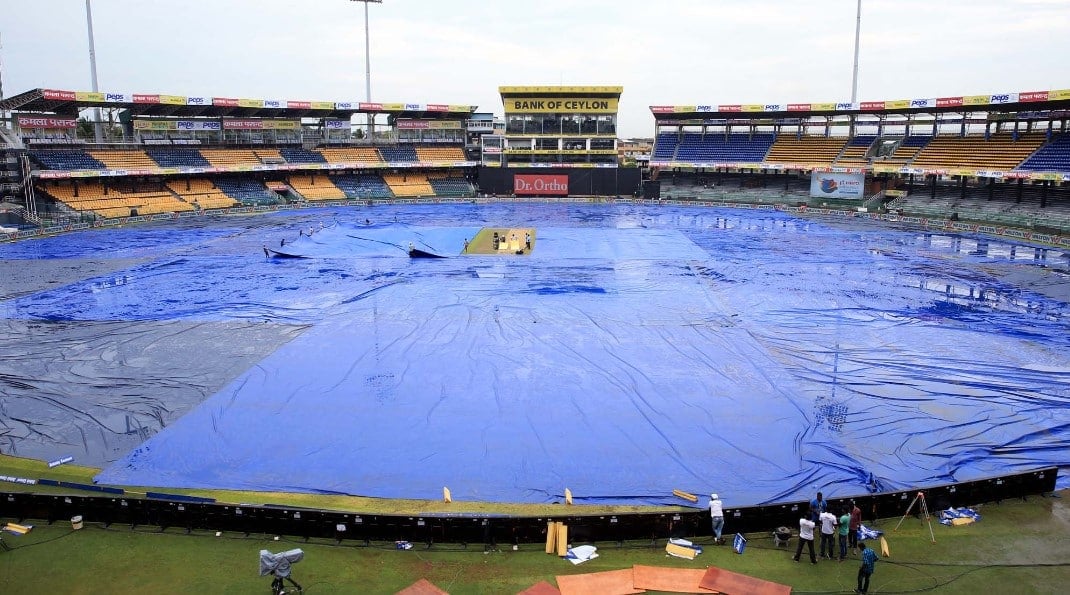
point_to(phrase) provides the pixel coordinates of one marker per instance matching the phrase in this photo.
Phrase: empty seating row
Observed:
(316, 187)
(451, 186)
(439, 154)
(409, 184)
(248, 192)
(113, 202)
(66, 159)
(665, 146)
(809, 150)
(737, 148)
(168, 157)
(363, 186)
(201, 193)
(999, 151)
(856, 152)
(1054, 156)
(907, 149)
(124, 159)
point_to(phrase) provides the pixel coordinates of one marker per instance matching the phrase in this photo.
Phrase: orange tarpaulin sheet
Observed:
(422, 587)
(610, 582)
(540, 588)
(673, 580)
(733, 583)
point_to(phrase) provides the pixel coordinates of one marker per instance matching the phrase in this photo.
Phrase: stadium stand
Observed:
(124, 159)
(201, 193)
(230, 157)
(269, 156)
(246, 191)
(855, 153)
(439, 154)
(363, 186)
(351, 155)
(168, 157)
(450, 186)
(316, 187)
(400, 154)
(665, 146)
(134, 199)
(297, 155)
(999, 152)
(409, 184)
(67, 159)
(908, 147)
(810, 150)
(1054, 156)
(724, 148)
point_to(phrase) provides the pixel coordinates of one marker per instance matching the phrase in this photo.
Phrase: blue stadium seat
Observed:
(398, 154)
(67, 159)
(363, 186)
(168, 157)
(1054, 156)
(297, 155)
(246, 191)
(695, 147)
(455, 187)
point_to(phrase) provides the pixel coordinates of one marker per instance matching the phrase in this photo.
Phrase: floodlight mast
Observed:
(858, 32)
(367, 61)
(98, 134)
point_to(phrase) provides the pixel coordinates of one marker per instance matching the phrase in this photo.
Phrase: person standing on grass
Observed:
(806, 536)
(828, 532)
(716, 517)
(869, 561)
(844, 529)
(856, 523)
(817, 506)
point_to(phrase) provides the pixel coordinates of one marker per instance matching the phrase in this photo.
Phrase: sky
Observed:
(663, 52)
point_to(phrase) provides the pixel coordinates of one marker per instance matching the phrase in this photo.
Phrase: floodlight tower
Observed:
(367, 60)
(858, 32)
(98, 134)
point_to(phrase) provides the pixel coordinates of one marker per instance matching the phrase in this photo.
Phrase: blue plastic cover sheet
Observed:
(634, 351)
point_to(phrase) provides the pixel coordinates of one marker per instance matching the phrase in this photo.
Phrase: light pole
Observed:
(93, 69)
(367, 61)
(858, 32)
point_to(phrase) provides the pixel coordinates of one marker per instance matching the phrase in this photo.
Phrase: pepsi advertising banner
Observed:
(837, 185)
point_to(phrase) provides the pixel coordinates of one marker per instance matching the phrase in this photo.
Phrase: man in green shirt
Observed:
(845, 529)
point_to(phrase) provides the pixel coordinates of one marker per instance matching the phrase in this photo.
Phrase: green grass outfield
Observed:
(1018, 547)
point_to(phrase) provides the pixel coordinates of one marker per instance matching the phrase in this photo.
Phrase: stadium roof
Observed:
(71, 102)
(1022, 101)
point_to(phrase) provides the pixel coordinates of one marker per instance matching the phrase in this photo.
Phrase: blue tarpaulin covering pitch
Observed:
(634, 351)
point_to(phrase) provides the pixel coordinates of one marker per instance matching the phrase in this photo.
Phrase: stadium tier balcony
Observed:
(108, 202)
(398, 154)
(665, 146)
(297, 155)
(369, 186)
(316, 187)
(351, 155)
(907, 149)
(247, 192)
(815, 151)
(66, 159)
(439, 154)
(733, 148)
(1054, 156)
(167, 157)
(409, 184)
(451, 187)
(230, 157)
(201, 193)
(998, 152)
(124, 159)
(854, 154)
